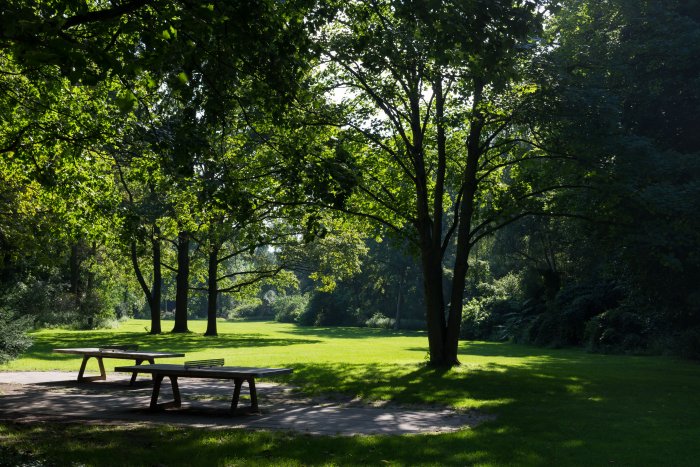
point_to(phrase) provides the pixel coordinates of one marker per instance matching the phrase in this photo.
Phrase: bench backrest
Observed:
(120, 347)
(204, 363)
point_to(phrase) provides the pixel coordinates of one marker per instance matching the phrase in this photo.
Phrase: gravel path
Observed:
(56, 396)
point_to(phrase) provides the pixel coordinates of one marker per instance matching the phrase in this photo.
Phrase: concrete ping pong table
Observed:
(119, 352)
(203, 369)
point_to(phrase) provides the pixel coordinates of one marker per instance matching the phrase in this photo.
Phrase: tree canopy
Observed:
(491, 169)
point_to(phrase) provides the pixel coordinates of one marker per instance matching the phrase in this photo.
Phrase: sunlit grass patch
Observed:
(550, 407)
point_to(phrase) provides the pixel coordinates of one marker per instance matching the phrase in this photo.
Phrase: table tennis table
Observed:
(236, 373)
(119, 352)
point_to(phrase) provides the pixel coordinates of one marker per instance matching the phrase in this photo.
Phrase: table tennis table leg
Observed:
(139, 362)
(253, 395)
(176, 402)
(236, 393)
(81, 373)
(238, 382)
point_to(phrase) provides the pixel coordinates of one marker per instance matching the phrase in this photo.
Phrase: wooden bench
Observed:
(126, 352)
(213, 369)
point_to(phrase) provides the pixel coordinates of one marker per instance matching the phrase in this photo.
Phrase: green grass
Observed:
(552, 407)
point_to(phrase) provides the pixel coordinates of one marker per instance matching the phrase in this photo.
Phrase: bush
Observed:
(13, 335)
(253, 309)
(486, 315)
(486, 318)
(378, 320)
(288, 308)
(46, 300)
(564, 319)
(50, 303)
(325, 309)
(617, 330)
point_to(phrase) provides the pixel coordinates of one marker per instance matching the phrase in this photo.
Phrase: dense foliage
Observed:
(484, 170)
(618, 272)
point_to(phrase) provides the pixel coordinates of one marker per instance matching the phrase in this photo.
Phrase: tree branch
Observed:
(104, 15)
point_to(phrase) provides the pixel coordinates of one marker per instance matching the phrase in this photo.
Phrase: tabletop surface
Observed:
(135, 354)
(208, 372)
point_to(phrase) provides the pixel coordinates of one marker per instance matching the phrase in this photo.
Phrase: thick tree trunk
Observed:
(213, 292)
(431, 261)
(429, 226)
(182, 282)
(461, 265)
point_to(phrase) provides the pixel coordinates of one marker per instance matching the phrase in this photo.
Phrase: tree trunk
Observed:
(213, 291)
(154, 299)
(435, 306)
(154, 292)
(87, 306)
(182, 282)
(466, 212)
(397, 318)
(75, 262)
(430, 234)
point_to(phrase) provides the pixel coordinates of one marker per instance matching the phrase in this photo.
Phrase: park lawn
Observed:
(552, 407)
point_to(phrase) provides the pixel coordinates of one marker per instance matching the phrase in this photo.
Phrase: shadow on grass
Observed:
(490, 386)
(351, 332)
(167, 342)
(168, 445)
(502, 349)
(567, 411)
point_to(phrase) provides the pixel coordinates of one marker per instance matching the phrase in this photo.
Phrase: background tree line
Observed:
(483, 170)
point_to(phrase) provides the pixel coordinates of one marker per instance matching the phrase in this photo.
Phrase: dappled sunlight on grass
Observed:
(551, 406)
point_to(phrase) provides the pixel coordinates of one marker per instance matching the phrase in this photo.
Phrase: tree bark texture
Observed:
(466, 213)
(152, 293)
(154, 299)
(443, 331)
(212, 292)
(182, 282)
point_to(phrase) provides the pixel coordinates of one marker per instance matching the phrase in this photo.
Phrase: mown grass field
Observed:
(552, 407)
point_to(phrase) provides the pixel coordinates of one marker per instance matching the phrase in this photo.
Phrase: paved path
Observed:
(56, 396)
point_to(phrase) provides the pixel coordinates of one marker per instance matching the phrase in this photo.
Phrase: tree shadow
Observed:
(502, 349)
(167, 342)
(564, 410)
(352, 332)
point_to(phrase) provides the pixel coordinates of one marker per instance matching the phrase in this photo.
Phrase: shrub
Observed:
(378, 320)
(46, 300)
(486, 318)
(619, 329)
(475, 321)
(288, 308)
(253, 309)
(13, 334)
(324, 309)
(51, 304)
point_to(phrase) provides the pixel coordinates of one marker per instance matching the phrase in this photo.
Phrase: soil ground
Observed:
(58, 397)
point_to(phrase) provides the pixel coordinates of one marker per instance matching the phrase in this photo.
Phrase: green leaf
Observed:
(126, 102)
